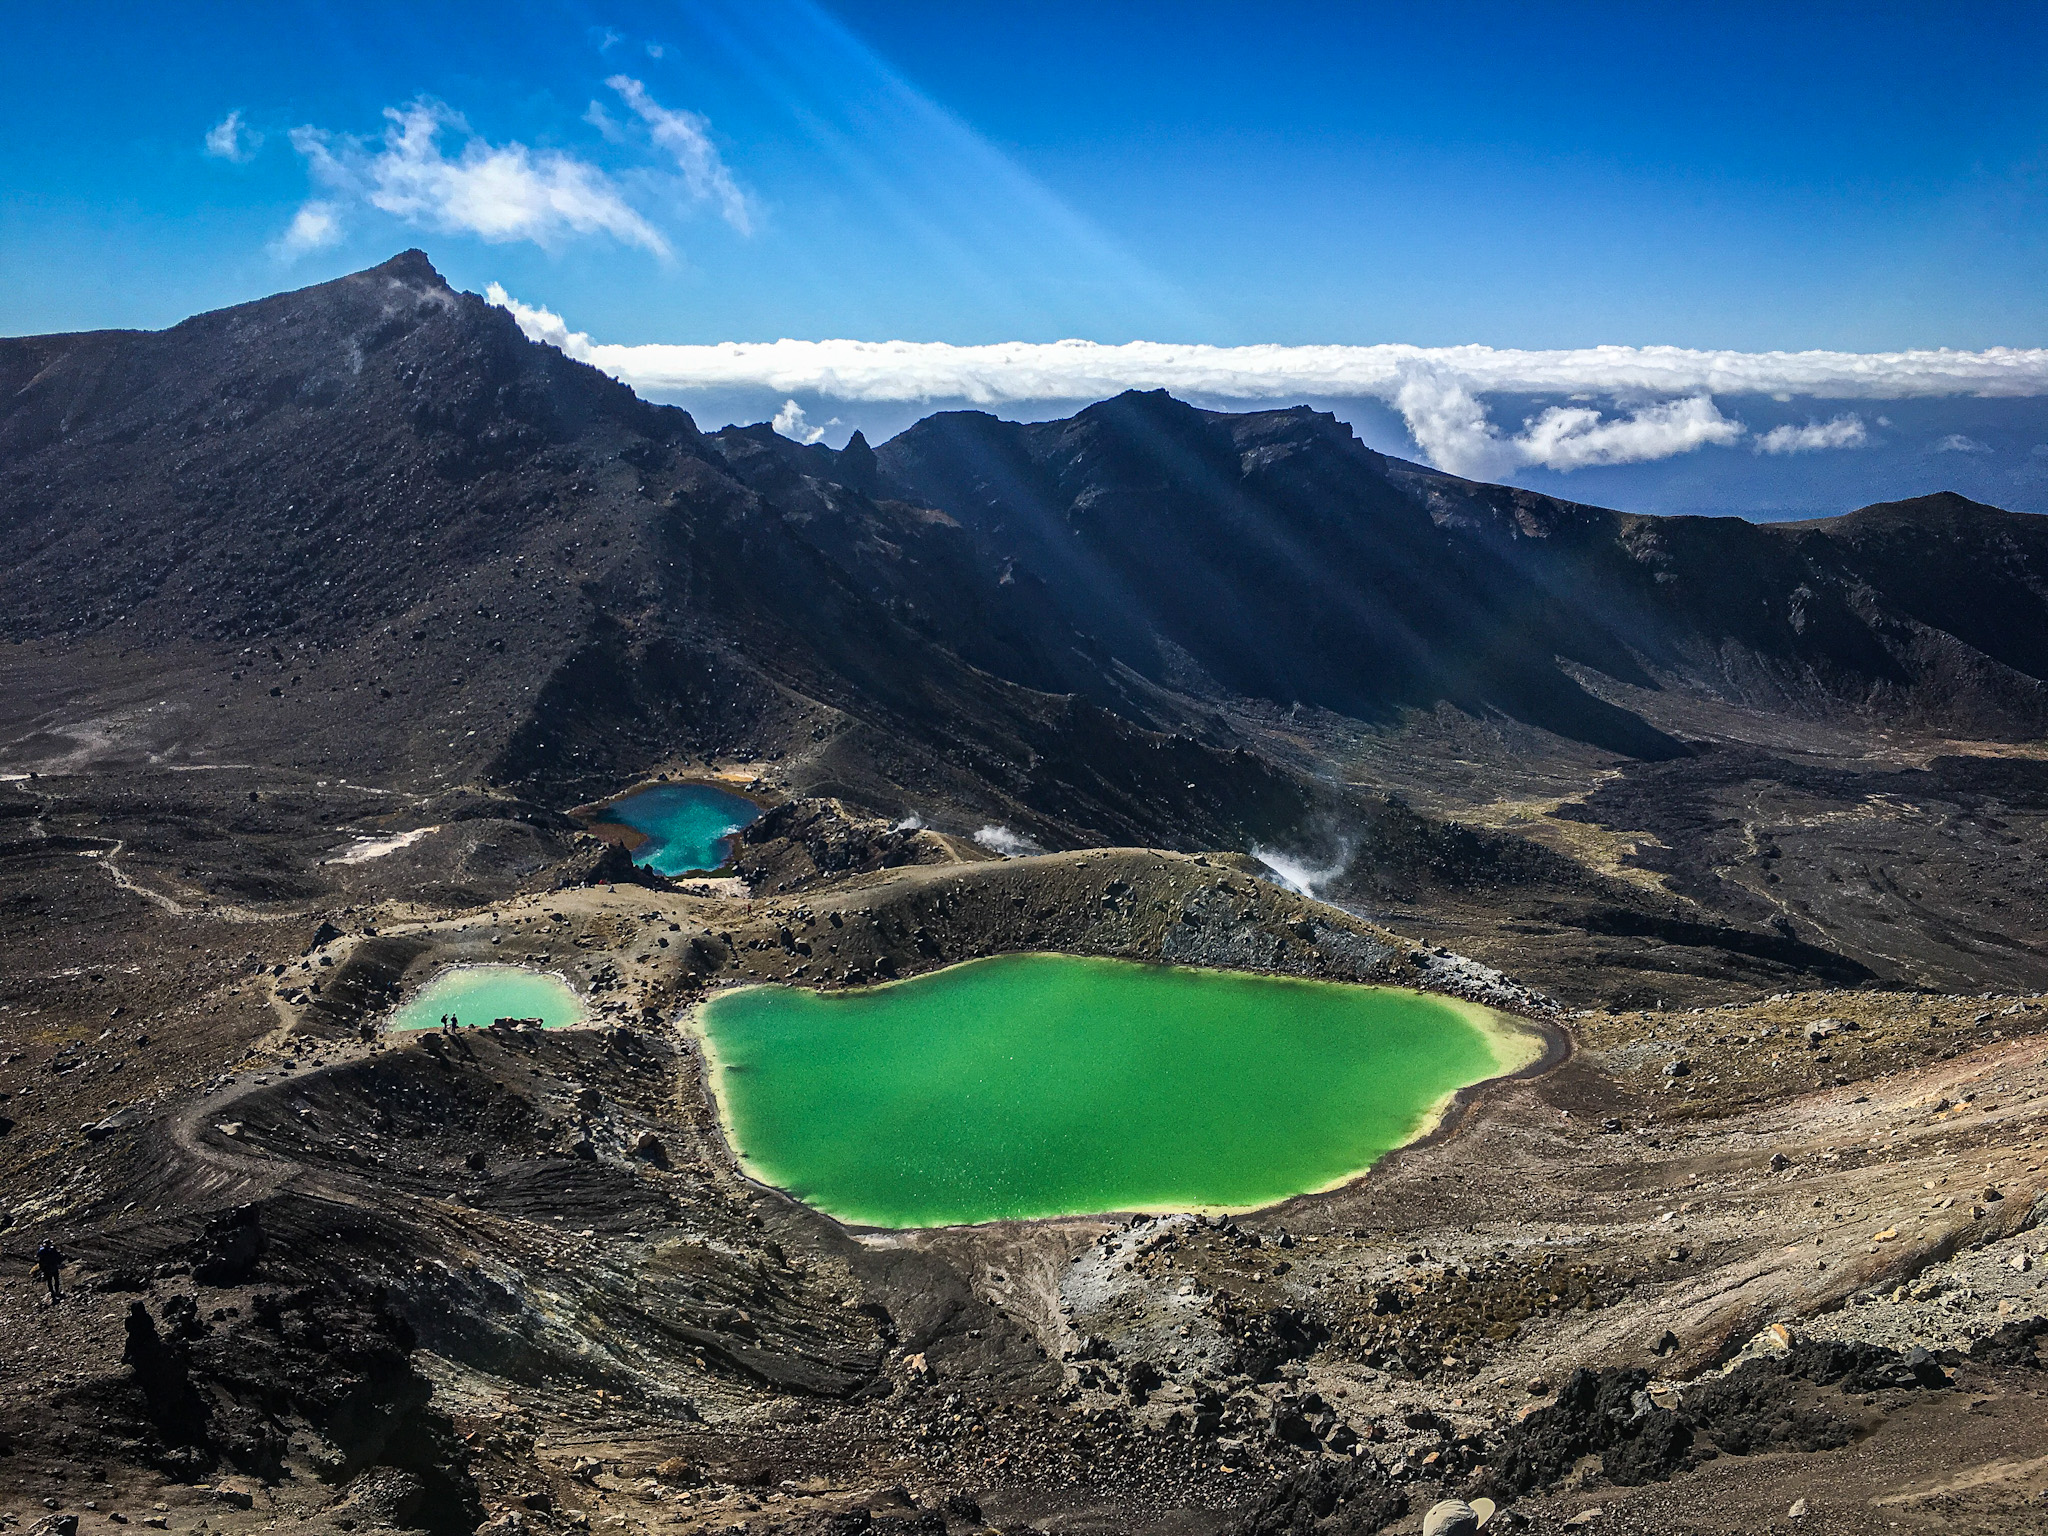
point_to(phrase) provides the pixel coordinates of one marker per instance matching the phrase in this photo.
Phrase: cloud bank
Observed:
(1664, 397)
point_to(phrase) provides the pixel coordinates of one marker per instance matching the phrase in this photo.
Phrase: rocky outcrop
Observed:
(593, 861)
(318, 1372)
(799, 842)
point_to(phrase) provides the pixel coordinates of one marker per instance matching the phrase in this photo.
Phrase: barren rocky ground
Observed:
(513, 1276)
(309, 666)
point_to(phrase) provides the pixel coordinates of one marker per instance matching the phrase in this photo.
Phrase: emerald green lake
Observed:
(687, 828)
(478, 994)
(1044, 1085)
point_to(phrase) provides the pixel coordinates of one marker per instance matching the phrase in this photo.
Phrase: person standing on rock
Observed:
(49, 1268)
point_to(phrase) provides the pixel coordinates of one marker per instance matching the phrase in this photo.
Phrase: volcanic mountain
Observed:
(370, 529)
(330, 623)
(369, 532)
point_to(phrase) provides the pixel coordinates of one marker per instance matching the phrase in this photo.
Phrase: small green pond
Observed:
(478, 995)
(685, 829)
(1043, 1085)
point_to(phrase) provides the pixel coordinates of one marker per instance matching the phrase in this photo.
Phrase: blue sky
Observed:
(1862, 178)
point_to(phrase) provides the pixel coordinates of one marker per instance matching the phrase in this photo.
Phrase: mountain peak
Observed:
(1937, 509)
(410, 266)
(1937, 504)
(1154, 403)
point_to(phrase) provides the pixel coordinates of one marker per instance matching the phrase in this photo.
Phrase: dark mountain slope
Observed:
(381, 533)
(1271, 555)
(1266, 555)
(937, 576)
(1930, 613)
(1954, 565)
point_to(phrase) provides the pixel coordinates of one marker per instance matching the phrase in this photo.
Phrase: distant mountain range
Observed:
(388, 475)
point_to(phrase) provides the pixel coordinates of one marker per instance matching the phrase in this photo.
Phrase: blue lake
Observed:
(686, 829)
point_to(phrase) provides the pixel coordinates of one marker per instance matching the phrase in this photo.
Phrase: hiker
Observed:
(144, 1343)
(49, 1262)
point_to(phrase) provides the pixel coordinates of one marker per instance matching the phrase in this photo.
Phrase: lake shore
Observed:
(1517, 1047)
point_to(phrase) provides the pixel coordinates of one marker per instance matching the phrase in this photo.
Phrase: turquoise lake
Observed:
(686, 829)
(477, 995)
(1048, 1085)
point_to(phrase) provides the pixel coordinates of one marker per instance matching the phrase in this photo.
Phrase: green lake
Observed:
(1045, 1085)
(479, 994)
(685, 829)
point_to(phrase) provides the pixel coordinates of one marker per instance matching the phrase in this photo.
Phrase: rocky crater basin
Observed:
(1037, 1085)
(480, 995)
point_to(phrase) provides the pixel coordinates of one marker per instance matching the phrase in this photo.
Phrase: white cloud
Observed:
(1667, 392)
(1846, 431)
(1955, 442)
(1450, 424)
(314, 227)
(233, 140)
(498, 192)
(1573, 437)
(539, 324)
(687, 137)
(1013, 371)
(790, 422)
